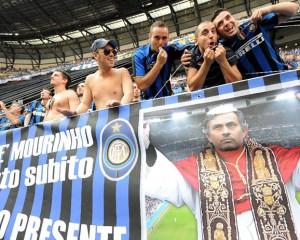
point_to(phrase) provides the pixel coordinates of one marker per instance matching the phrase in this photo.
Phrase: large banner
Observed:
(120, 173)
(73, 179)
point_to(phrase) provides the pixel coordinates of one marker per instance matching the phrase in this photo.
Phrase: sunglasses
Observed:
(107, 51)
(159, 37)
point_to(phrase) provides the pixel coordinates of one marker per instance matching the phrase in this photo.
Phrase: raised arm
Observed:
(196, 78)
(12, 117)
(230, 72)
(27, 119)
(149, 78)
(163, 181)
(284, 10)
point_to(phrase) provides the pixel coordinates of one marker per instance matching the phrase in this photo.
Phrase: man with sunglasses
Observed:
(152, 62)
(108, 86)
(251, 41)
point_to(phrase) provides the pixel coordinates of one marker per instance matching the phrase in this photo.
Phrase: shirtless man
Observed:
(63, 98)
(108, 86)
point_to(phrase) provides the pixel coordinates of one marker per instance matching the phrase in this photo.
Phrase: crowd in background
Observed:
(178, 83)
(291, 57)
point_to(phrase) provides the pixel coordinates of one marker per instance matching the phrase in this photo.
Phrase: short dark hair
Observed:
(217, 13)
(20, 104)
(158, 24)
(47, 89)
(197, 28)
(210, 117)
(66, 75)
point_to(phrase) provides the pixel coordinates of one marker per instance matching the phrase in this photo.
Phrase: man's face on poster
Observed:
(225, 132)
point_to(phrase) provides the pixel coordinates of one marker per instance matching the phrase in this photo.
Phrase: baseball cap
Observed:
(102, 42)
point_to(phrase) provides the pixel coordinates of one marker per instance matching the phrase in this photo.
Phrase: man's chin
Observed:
(228, 148)
(230, 34)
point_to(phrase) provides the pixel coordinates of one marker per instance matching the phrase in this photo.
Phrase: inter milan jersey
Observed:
(38, 112)
(254, 48)
(144, 60)
(6, 124)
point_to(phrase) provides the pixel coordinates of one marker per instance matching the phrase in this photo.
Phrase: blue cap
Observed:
(101, 43)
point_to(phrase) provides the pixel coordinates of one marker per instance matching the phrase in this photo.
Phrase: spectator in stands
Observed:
(211, 63)
(80, 90)
(152, 62)
(63, 97)
(12, 117)
(37, 109)
(107, 87)
(251, 41)
(136, 93)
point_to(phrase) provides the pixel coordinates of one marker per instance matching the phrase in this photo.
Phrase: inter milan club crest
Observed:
(119, 149)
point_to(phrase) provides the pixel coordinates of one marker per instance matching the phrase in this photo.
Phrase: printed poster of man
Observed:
(223, 168)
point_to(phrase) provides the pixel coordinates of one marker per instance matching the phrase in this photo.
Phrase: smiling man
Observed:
(152, 62)
(251, 41)
(108, 86)
(211, 64)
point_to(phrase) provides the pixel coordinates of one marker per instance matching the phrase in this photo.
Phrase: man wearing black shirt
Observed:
(211, 64)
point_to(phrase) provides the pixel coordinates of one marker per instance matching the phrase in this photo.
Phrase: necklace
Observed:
(236, 166)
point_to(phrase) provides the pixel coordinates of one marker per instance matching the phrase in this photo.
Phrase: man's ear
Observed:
(94, 55)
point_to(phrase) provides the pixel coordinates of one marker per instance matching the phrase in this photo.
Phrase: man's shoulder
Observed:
(64, 95)
(269, 16)
(142, 50)
(179, 47)
(120, 70)
(71, 92)
(91, 76)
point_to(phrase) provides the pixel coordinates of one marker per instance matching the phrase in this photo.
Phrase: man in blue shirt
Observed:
(152, 62)
(37, 109)
(12, 117)
(251, 41)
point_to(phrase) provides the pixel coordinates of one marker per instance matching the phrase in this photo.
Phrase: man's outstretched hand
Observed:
(112, 103)
(67, 112)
